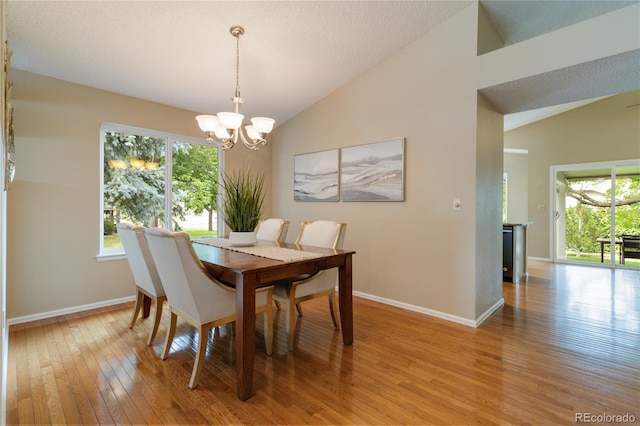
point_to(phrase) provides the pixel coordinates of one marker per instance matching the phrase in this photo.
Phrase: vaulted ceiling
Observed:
(293, 54)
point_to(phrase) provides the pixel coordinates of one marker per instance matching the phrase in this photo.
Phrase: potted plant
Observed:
(243, 205)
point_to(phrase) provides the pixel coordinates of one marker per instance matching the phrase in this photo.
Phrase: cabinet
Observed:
(514, 251)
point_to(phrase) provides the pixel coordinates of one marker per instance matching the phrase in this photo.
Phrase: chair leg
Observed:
(291, 323)
(299, 308)
(334, 309)
(170, 333)
(156, 322)
(277, 304)
(203, 333)
(268, 328)
(136, 307)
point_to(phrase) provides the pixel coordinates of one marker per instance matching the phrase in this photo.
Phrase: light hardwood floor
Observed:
(566, 342)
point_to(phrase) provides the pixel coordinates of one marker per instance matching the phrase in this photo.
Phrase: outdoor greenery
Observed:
(113, 241)
(244, 200)
(595, 258)
(134, 179)
(195, 178)
(109, 227)
(590, 218)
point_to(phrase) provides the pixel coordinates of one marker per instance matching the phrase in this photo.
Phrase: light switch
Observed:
(457, 204)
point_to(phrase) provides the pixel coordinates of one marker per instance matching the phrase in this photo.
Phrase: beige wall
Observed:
(418, 252)
(606, 130)
(516, 165)
(488, 238)
(53, 207)
(240, 157)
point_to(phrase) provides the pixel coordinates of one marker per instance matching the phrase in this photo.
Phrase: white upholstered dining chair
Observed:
(273, 229)
(144, 273)
(292, 292)
(195, 296)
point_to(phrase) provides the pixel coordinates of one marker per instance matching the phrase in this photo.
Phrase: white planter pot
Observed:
(242, 239)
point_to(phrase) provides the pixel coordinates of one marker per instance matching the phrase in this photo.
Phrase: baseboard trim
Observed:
(499, 304)
(383, 300)
(431, 312)
(540, 259)
(65, 311)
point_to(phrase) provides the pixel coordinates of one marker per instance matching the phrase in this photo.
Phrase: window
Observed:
(141, 184)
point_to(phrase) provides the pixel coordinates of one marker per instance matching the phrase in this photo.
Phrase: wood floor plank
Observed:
(14, 358)
(147, 389)
(56, 412)
(566, 341)
(117, 378)
(93, 357)
(74, 407)
(25, 413)
(80, 397)
(125, 371)
(85, 366)
(36, 382)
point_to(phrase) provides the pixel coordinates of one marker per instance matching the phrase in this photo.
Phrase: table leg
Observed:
(245, 334)
(601, 252)
(346, 300)
(621, 261)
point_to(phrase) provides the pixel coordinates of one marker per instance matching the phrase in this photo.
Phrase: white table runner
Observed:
(270, 252)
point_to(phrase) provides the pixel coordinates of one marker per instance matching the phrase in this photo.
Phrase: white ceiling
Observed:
(519, 20)
(293, 54)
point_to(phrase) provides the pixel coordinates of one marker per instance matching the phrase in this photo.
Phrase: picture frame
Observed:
(316, 176)
(373, 171)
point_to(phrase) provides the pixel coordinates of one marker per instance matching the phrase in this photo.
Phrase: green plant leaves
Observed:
(243, 199)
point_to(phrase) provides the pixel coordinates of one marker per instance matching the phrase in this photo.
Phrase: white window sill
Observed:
(108, 257)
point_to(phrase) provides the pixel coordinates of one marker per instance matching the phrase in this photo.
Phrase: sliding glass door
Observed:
(595, 206)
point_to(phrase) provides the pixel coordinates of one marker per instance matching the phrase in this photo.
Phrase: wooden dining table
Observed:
(247, 272)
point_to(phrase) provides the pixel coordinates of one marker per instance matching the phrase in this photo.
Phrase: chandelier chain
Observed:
(238, 66)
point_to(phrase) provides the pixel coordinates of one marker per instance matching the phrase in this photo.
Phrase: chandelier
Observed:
(225, 128)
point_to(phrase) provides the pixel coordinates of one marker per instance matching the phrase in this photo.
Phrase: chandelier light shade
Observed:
(225, 128)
